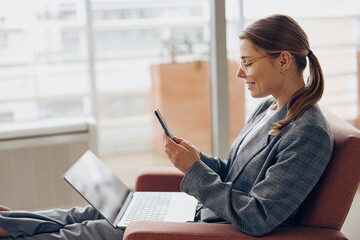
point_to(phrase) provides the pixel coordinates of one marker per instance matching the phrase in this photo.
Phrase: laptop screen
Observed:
(98, 185)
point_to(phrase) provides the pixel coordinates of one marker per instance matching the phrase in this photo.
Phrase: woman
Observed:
(272, 166)
(285, 146)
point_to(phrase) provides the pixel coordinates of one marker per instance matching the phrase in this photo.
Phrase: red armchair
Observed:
(321, 216)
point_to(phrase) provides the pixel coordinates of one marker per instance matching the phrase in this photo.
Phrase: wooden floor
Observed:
(127, 166)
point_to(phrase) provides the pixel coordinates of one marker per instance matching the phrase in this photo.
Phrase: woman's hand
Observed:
(181, 153)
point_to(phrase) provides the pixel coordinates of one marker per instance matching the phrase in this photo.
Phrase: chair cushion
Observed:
(143, 230)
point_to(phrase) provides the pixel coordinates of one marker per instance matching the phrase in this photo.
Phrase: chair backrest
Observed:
(329, 202)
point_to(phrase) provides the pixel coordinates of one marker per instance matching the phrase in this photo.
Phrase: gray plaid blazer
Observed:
(263, 185)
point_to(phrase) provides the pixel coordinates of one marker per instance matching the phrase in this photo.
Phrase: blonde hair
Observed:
(278, 33)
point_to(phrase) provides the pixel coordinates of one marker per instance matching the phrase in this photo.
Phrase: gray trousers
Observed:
(75, 223)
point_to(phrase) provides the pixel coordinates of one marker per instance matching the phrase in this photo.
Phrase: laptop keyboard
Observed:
(149, 207)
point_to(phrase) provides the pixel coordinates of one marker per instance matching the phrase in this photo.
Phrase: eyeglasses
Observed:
(244, 66)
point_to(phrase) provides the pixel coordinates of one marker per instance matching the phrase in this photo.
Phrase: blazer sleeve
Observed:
(302, 156)
(216, 164)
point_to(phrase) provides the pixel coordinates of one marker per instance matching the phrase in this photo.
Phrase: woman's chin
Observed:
(255, 94)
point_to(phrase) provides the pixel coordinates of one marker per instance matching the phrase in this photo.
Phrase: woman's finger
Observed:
(178, 140)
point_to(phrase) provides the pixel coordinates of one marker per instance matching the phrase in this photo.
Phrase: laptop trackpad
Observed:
(181, 208)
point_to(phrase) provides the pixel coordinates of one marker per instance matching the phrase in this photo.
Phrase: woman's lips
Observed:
(249, 84)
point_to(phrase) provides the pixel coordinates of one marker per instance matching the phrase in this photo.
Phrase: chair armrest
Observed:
(159, 179)
(145, 230)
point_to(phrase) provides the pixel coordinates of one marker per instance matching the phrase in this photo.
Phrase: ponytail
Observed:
(304, 97)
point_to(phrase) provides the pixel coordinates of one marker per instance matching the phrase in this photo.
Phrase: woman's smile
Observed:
(250, 85)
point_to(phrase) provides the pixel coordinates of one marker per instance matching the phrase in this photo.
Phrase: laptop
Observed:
(102, 189)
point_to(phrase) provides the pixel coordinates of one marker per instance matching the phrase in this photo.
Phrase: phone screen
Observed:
(163, 124)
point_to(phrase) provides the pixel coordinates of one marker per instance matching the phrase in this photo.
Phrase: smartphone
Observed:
(163, 124)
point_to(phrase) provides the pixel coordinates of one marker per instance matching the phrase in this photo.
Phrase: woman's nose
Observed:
(240, 73)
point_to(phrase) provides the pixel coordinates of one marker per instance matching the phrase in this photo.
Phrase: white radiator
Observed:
(33, 158)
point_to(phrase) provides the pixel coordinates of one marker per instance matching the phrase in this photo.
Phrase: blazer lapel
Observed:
(238, 141)
(257, 143)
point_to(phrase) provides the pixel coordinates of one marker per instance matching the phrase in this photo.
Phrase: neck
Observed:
(293, 86)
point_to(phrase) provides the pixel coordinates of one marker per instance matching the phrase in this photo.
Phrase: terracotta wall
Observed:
(182, 93)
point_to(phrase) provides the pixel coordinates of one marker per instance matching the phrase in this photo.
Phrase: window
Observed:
(45, 70)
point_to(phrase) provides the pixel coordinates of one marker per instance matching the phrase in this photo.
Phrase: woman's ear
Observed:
(285, 61)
